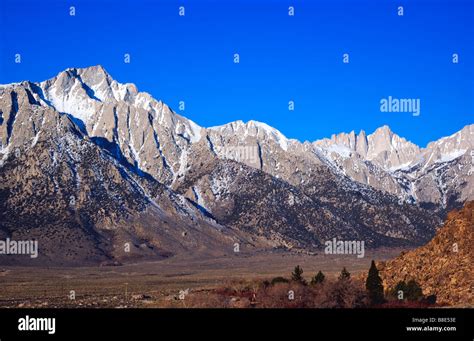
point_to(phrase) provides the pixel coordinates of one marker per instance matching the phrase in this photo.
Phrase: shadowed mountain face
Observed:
(89, 166)
(443, 267)
(86, 204)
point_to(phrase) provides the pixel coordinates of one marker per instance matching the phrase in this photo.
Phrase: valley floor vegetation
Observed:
(319, 292)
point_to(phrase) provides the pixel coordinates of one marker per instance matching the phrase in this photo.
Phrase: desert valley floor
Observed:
(159, 283)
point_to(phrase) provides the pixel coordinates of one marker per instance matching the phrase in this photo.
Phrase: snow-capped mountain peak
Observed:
(119, 146)
(80, 91)
(147, 134)
(254, 128)
(382, 147)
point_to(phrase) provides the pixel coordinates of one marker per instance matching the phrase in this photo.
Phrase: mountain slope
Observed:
(83, 204)
(110, 164)
(440, 174)
(443, 267)
(305, 216)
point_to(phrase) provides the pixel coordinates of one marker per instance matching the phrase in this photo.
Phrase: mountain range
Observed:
(99, 172)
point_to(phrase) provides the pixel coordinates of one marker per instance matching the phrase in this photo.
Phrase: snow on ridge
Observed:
(120, 91)
(339, 149)
(195, 131)
(143, 100)
(403, 167)
(4, 86)
(200, 200)
(281, 139)
(277, 135)
(233, 125)
(105, 88)
(69, 103)
(447, 157)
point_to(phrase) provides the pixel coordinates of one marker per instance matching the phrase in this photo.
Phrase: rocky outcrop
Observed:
(443, 267)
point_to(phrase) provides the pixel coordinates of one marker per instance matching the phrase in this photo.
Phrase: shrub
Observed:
(394, 292)
(345, 294)
(430, 300)
(279, 280)
(345, 275)
(318, 279)
(414, 292)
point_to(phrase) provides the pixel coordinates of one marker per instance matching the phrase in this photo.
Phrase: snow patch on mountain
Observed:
(447, 157)
(339, 150)
(194, 132)
(255, 129)
(73, 101)
(199, 199)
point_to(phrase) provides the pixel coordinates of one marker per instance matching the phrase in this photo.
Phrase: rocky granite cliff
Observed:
(444, 266)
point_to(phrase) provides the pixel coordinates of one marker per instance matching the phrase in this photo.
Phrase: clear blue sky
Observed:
(282, 58)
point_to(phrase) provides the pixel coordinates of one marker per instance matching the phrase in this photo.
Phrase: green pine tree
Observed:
(319, 278)
(297, 275)
(374, 285)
